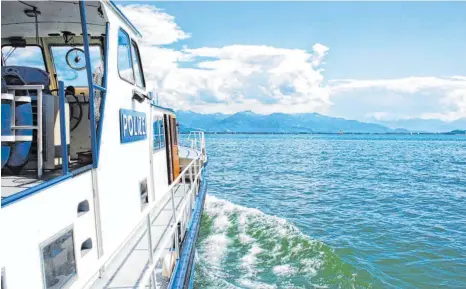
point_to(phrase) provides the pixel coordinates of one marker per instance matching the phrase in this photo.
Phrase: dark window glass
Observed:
(137, 66)
(30, 56)
(156, 129)
(59, 262)
(144, 193)
(162, 134)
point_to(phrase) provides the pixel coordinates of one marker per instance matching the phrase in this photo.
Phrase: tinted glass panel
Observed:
(137, 66)
(125, 67)
(162, 134)
(59, 261)
(156, 132)
(72, 76)
(30, 56)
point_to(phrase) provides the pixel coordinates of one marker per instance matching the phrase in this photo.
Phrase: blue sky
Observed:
(383, 60)
(367, 40)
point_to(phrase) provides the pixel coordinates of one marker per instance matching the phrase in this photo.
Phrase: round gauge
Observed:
(75, 59)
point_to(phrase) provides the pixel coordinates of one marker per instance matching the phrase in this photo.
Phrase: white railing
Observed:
(38, 88)
(196, 141)
(193, 171)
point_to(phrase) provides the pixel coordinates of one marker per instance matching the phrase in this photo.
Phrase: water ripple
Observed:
(391, 208)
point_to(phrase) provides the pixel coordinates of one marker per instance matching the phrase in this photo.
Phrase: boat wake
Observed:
(241, 247)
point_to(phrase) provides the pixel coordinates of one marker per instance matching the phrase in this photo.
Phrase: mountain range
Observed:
(250, 122)
(425, 125)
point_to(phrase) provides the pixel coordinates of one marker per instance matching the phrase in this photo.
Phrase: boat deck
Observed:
(13, 184)
(188, 153)
(127, 267)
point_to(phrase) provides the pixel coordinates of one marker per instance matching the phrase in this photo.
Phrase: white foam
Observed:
(247, 283)
(245, 239)
(311, 265)
(250, 259)
(215, 248)
(221, 223)
(256, 229)
(283, 270)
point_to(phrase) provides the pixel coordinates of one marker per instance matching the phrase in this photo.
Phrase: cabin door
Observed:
(168, 146)
(174, 137)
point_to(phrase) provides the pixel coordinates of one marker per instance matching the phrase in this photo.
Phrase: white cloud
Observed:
(446, 96)
(158, 27)
(405, 85)
(268, 79)
(232, 78)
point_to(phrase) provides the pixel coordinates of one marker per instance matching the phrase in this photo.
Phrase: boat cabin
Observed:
(86, 153)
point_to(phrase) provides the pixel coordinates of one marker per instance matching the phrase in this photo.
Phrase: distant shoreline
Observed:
(335, 133)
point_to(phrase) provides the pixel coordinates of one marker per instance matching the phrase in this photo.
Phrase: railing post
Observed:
(195, 176)
(177, 248)
(191, 179)
(64, 147)
(82, 10)
(40, 158)
(183, 181)
(151, 253)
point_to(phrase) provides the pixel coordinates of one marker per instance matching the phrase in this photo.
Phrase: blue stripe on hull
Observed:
(184, 271)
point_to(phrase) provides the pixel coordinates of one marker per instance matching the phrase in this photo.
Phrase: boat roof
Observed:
(14, 24)
(113, 5)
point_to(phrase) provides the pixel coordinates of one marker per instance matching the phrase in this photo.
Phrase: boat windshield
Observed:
(30, 56)
(67, 60)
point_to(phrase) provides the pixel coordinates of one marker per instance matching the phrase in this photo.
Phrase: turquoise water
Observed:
(334, 211)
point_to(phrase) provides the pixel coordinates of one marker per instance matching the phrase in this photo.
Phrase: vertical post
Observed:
(177, 247)
(103, 93)
(151, 153)
(82, 10)
(40, 157)
(195, 176)
(95, 187)
(98, 223)
(151, 253)
(191, 174)
(183, 181)
(64, 147)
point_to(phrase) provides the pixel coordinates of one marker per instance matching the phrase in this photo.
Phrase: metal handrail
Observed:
(150, 270)
(196, 140)
(38, 127)
(145, 216)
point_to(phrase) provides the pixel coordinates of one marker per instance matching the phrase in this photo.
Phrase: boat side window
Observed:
(162, 133)
(30, 56)
(137, 66)
(156, 128)
(125, 66)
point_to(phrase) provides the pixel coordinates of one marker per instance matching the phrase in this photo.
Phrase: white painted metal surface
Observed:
(115, 219)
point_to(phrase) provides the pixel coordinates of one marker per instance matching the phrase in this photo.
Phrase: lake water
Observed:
(334, 211)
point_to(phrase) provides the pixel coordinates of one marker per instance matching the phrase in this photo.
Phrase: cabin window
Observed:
(162, 134)
(63, 58)
(156, 132)
(139, 75)
(125, 67)
(159, 139)
(30, 56)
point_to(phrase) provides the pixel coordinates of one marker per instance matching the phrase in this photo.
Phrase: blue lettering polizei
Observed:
(132, 125)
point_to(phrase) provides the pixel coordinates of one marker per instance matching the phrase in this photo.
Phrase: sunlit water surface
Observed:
(334, 211)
